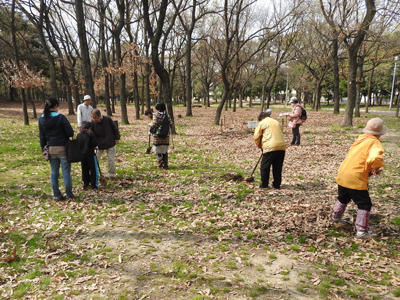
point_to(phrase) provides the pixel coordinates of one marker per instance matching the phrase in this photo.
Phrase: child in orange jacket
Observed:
(365, 158)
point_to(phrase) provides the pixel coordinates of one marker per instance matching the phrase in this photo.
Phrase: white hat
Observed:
(293, 99)
(375, 127)
(269, 111)
(87, 97)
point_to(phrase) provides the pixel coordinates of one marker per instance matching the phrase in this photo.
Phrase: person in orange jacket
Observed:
(365, 158)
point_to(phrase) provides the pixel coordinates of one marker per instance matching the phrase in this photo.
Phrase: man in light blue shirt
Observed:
(84, 112)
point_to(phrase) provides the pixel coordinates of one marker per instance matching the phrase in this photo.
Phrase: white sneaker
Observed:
(365, 235)
(343, 221)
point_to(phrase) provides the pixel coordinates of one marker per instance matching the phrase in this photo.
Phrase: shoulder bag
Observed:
(73, 150)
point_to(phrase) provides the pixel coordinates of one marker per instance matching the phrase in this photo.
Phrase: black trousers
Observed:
(296, 135)
(360, 197)
(274, 159)
(89, 174)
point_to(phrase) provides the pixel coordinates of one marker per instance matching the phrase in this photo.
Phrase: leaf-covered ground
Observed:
(198, 230)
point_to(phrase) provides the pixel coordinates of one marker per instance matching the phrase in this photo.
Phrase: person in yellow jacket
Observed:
(365, 158)
(268, 136)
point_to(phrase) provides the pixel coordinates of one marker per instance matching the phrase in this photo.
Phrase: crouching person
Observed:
(107, 134)
(365, 158)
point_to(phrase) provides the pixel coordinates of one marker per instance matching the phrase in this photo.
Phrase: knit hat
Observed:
(293, 99)
(87, 97)
(375, 127)
(269, 111)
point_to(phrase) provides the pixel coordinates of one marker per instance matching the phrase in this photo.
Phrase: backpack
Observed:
(163, 128)
(303, 116)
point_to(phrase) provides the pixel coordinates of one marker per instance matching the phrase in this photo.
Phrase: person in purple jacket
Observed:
(54, 131)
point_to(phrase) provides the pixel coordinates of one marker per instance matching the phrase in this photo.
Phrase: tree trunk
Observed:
(251, 98)
(318, 93)
(336, 98)
(86, 66)
(360, 65)
(241, 97)
(75, 85)
(221, 106)
(351, 89)
(118, 55)
(154, 42)
(122, 81)
(352, 48)
(367, 103)
(68, 90)
(235, 96)
(112, 89)
(103, 56)
(263, 97)
(207, 98)
(16, 53)
(188, 83)
(32, 103)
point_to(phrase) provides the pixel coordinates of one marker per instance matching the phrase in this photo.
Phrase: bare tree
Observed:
(116, 33)
(16, 53)
(188, 23)
(207, 73)
(86, 65)
(155, 37)
(238, 35)
(104, 62)
(314, 52)
(36, 15)
(353, 30)
(329, 15)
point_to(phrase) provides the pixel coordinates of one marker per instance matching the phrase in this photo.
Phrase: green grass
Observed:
(396, 292)
(396, 221)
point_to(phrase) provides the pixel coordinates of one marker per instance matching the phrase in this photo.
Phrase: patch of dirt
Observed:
(391, 140)
(153, 257)
(234, 177)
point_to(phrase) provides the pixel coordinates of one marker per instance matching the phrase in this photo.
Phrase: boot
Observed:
(165, 159)
(362, 220)
(160, 160)
(338, 211)
(362, 225)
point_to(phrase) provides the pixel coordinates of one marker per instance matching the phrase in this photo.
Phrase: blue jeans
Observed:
(55, 161)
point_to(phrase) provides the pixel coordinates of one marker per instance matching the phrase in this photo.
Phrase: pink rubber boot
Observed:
(362, 225)
(338, 210)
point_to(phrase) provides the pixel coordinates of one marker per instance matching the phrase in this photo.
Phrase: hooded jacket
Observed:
(55, 130)
(268, 136)
(87, 141)
(365, 155)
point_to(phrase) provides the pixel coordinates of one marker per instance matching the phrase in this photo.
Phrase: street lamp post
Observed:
(394, 76)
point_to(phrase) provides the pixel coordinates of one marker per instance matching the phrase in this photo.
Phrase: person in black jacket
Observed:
(54, 131)
(108, 136)
(87, 142)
